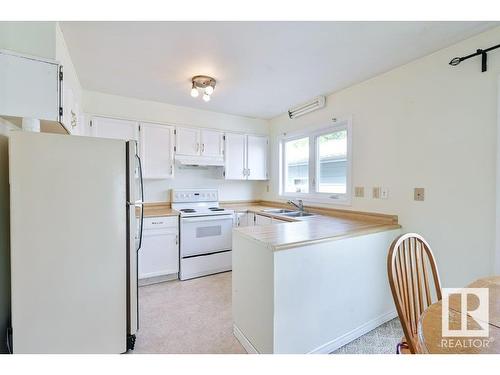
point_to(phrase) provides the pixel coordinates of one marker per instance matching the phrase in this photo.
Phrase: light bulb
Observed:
(206, 97)
(209, 90)
(194, 92)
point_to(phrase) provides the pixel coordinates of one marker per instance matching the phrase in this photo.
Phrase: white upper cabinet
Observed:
(157, 150)
(199, 146)
(187, 141)
(235, 156)
(257, 160)
(211, 143)
(29, 87)
(104, 127)
(246, 157)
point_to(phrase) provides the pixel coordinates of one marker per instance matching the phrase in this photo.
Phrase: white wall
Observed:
(425, 124)
(31, 38)
(205, 178)
(142, 110)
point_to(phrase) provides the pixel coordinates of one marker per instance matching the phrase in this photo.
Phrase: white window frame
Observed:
(313, 195)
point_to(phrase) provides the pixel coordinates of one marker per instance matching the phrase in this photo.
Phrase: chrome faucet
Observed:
(299, 205)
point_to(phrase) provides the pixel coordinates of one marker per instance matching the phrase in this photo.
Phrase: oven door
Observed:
(206, 234)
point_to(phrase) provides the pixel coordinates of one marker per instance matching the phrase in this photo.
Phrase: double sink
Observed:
(287, 213)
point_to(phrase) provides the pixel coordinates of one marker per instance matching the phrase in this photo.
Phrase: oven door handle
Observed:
(207, 218)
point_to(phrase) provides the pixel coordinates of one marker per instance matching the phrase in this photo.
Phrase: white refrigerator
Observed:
(76, 226)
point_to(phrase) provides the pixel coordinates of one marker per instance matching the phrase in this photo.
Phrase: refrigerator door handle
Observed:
(141, 204)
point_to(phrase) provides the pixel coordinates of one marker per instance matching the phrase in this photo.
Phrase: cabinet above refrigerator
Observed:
(30, 87)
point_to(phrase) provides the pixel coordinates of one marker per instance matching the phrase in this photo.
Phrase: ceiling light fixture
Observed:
(194, 92)
(313, 105)
(205, 84)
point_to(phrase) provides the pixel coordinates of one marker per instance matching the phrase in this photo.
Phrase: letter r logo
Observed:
(467, 303)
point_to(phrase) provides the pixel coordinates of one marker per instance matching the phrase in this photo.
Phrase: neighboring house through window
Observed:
(316, 165)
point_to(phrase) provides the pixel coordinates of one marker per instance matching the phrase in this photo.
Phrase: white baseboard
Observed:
(157, 279)
(247, 345)
(354, 334)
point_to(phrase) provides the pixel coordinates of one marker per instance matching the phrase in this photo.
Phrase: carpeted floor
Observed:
(194, 316)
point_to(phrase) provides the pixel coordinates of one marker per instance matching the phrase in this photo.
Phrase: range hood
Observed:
(201, 161)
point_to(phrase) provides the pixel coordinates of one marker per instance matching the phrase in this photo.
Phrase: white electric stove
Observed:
(205, 232)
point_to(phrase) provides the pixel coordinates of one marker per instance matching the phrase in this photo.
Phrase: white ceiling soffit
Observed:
(262, 68)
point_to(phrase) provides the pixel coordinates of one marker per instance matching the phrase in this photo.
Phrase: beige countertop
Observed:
(326, 225)
(158, 210)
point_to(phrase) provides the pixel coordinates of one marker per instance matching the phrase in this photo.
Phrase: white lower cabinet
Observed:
(243, 219)
(262, 220)
(251, 219)
(159, 254)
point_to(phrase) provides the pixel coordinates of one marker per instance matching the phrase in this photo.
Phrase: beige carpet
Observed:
(194, 316)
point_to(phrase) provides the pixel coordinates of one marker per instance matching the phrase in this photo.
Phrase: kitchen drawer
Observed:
(161, 222)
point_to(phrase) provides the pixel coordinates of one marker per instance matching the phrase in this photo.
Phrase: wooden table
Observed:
(429, 327)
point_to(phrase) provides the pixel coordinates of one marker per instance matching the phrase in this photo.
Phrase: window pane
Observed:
(332, 159)
(297, 166)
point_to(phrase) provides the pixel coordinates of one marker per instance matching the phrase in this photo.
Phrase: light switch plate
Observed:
(376, 193)
(359, 191)
(419, 194)
(384, 193)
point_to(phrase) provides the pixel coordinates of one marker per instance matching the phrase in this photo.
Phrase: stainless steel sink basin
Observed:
(278, 211)
(297, 214)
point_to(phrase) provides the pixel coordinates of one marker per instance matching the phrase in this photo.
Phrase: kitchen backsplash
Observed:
(203, 177)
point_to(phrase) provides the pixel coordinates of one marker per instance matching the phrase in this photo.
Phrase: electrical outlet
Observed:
(376, 193)
(359, 191)
(419, 194)
(384, 193)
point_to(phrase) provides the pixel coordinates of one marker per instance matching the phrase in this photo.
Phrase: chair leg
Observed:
(401, 345)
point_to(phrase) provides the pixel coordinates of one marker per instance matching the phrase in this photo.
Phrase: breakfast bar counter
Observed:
(324, 225)
(312, 284)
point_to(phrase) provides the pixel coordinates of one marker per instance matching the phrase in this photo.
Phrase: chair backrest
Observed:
(408, 263)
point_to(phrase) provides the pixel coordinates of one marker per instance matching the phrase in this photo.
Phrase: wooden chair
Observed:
(408, 261)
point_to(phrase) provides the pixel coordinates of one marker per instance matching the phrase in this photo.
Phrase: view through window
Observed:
(317, 164)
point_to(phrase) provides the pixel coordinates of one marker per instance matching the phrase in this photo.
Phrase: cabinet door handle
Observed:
(248, 172)
(203, 147)
(176, 239)
(197, 147)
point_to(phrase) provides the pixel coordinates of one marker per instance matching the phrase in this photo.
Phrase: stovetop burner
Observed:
(188, 210)
(215, 209)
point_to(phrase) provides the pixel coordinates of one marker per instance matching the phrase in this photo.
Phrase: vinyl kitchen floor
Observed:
(194, 317)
